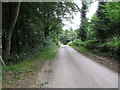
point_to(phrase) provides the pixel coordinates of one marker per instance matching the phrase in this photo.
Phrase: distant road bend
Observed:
(71, 69)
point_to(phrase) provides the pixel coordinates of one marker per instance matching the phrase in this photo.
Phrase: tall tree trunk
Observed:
(15, 12)
(82, 31)
(83, 14)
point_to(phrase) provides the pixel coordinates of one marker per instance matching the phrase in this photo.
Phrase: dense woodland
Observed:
(36, 28)
(29, 28)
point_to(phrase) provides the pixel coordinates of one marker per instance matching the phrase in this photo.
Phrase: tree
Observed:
(37, 27)
(14, 12)
(67, 36)
(82, 31)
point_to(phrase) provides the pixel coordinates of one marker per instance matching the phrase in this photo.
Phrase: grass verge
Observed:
(83, 49)
(13, 73)
(104, 60)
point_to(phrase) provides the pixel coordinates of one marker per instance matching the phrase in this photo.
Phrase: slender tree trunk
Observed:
(15, 13)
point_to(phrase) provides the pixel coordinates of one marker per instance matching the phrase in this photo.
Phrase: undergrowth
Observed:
(12, 73)
(108, 48)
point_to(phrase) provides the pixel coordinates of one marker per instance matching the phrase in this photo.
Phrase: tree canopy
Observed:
(37, 27)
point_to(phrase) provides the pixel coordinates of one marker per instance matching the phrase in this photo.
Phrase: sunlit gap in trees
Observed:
(74, 23)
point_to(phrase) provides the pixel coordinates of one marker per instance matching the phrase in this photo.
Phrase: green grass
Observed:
(108, 49)
(25, 67)
(80, 48)
(47, 54)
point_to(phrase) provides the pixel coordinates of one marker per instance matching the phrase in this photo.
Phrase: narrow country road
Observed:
(70, 69)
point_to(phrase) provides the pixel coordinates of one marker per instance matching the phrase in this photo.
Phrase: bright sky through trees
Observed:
(92, 9)
(76, 21)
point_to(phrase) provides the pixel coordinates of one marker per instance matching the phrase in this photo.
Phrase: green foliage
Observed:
(113, 10)
(38, 27)
(106, 26)
(82, 32)
(79, 48)
(102, 32)
(30, 63)
(24, 68)
(110, 48)
(90, 44)
(67, 35)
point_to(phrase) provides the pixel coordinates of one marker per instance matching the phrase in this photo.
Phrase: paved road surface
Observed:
(71, 69)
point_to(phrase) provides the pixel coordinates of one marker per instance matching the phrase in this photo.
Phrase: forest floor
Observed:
(71, 69)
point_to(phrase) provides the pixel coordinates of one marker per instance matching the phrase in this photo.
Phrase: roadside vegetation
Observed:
(79, 48)
(30, 36)
(13, 74)
(101, 34)
(32, 31)
(34, 26)
(110, 49)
